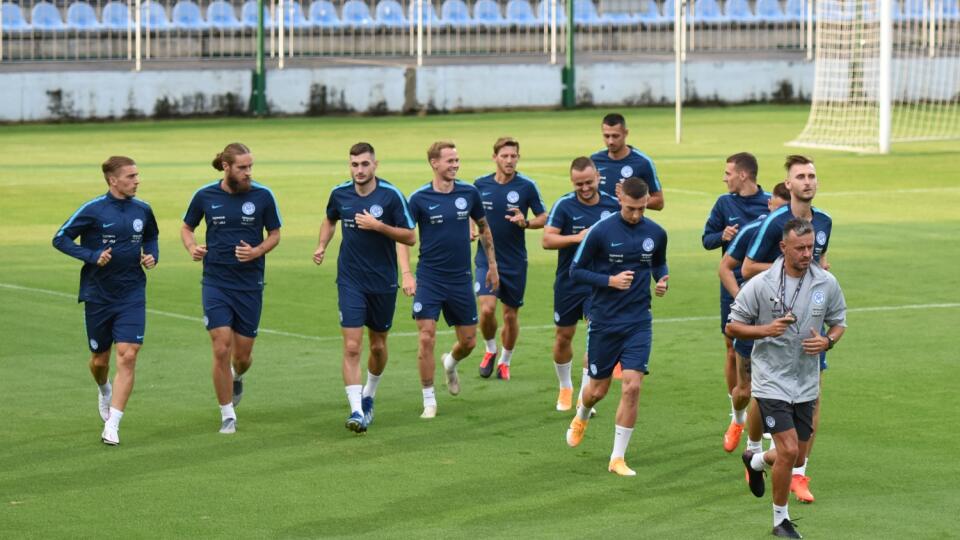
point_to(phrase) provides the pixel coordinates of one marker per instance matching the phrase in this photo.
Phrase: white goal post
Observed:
(884, 73)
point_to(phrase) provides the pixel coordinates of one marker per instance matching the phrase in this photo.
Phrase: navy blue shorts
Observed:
(114, 323)
(628, 344)
(725, 302)
(569, 309)
(455, 300)
(512, 286)
(239, 310)
(744, 347)
(357, 308)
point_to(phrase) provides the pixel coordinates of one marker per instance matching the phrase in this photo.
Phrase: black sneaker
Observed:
(786, 529)
(754, 478)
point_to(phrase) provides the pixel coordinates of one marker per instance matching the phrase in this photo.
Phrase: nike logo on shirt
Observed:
(616, 244)
(734, 218)
(107, 225)
(485, 193)
(434, 206)
(215, 206)
(577, 218)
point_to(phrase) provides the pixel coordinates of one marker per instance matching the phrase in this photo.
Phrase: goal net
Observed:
(884, 79)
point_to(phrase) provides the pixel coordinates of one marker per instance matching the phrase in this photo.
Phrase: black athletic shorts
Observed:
(781, 416)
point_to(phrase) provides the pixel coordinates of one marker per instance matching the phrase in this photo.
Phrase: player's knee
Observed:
(100, 359)
(510, 317)
(351, 348)
(488, 312)
(221, 349)
(467, 343)
(631, 390)
(126, 358)
(378, 348)
(427, 340)
(788, 450)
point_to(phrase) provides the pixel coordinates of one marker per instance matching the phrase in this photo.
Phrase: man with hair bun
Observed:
(118, 235)
(236, 210)
(618, 257)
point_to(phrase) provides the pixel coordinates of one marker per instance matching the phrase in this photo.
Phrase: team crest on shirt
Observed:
(821, 238)
(376, 210)
(605, 214)
(818, 297)
(248, 208)
(138, 225)
(770, 422)
(626, 171)
(461, 203)
(513, 197)
(648, 244)
(417, 306)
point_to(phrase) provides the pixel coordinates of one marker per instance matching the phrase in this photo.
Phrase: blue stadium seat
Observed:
(46, 17)
(116, 16)
(769, 11)
(795, 10)
(951, 10)
(708, 11)
(390, 15)
(668, 7)
(456, 13)
(651, 14)
(543, 12)
(520, 14)
(248, 15)
(487, 14)
(221, 16)
(356, 14)
(187, 16)
(429, 13)
(154, 16)
(80, 17)
(324, 15)
(293, 15)
(585, 13)
(739, 11)
(13, 20)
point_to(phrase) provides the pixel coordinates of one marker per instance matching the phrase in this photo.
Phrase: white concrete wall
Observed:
(32, 96)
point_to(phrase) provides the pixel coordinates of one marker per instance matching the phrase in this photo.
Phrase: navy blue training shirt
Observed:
(444, 223)
(368, 260)
(737, 248)
(499, 199)
(765, 247)
(572, 216)
(230, 218)
(614, 171)
(128, 227)
(613, 246)
(732, 209)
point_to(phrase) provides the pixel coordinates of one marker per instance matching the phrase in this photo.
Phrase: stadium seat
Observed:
(221, 16)
(187, 16)
(293, 15)
(543, 11)
(356, 14)
(116, 16)
(651, 13)
(668, 7)
(429, 13)
(585, 13)
(81, 17)
(951, 10)
(248, 15)
(324, 15)
(154, 16)
(709, 12)
(487, 14)
(46, 17)
(795, 10)
(455, 13)
(769, 11)
(520, 14)
(390, 14)
(739, 11)
(13, 20)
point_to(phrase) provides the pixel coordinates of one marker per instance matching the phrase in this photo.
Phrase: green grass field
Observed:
(494, 462)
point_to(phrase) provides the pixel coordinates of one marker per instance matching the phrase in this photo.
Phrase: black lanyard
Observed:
(788, 309)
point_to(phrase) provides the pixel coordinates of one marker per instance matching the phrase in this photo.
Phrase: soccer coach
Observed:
(783, 309)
